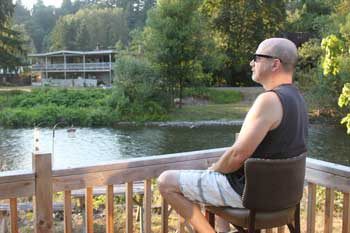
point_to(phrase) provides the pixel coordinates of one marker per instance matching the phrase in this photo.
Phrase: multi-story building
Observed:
(73, 68)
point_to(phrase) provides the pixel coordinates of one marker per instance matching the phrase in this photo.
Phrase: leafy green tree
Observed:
(344, 101)
(135, 10)
(89, 27)
(333, 48)
(239, 27)
(138, 94)
(311, 16)
(83, 37)
(173, 42)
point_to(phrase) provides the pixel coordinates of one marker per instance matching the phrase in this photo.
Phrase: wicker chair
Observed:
(271, 196)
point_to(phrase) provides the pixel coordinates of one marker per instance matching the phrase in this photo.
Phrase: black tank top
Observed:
(287, 140)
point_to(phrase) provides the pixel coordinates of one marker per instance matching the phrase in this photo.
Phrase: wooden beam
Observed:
(65, 66)
(311, 208)
(46, 73)
(17, 189)
(148, 205)
(43, 222)
(144, 162)
(67, 212)
(129, 207)
(164, 216)
(346, 213)
(110, 69)
(328, 213)
(101, 178)
(89, 215)
(14, 215)
(16, 176)
(110, 209)
(327, 179)
(84, 67)
(332, 168)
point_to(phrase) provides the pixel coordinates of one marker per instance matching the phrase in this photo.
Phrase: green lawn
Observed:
(233, 111)
(222, 104)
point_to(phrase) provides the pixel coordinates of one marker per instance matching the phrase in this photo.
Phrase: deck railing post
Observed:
(346, 213)
(42, 167)
(328, 212)
(311, 208)
(164, 216)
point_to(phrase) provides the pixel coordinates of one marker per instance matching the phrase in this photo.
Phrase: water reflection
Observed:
(93, 146)
(330, 143)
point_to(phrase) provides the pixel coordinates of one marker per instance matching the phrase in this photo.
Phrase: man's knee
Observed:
(168, 182)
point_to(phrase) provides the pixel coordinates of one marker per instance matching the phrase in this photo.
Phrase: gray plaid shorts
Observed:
(208, 187)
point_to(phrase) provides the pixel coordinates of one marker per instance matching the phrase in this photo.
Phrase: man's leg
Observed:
(169, 189)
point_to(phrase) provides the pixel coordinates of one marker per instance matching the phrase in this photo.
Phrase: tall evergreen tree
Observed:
(6, 10)
(41, 23)
(10, 40)
(66, 7)
(20, 15)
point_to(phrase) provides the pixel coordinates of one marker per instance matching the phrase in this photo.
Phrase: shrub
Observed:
(139, 90)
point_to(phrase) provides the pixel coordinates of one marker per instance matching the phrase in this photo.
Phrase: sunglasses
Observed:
(255, 56)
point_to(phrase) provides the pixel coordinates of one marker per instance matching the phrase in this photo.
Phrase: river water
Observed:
(91, 146)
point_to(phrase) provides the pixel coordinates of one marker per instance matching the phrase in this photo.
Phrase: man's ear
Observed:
(276, 64)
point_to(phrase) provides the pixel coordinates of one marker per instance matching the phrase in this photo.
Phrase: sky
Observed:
(29, 3)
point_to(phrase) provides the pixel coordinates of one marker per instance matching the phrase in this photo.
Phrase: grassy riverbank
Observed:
(98, 107)
(24, 107)
(232, 111)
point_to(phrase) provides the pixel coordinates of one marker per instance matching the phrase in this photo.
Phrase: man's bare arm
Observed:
(265, 115)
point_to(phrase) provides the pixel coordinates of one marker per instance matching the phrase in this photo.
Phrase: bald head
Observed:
(282, 48)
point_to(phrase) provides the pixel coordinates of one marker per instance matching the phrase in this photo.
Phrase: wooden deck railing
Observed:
(43, 182)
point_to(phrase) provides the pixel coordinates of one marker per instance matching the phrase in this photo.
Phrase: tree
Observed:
(11, 48)
(138, 90)
(21, 15)
(83, 37)
(6, 10)
(89, 27)
(173, 42)
(239, 27)
(135, 10)
(41, 23)
(310, 16)
(66, 7)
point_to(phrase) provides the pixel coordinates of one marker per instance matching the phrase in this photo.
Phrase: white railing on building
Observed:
(99, 66)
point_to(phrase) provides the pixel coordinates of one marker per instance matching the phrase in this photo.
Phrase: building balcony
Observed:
(74, 67)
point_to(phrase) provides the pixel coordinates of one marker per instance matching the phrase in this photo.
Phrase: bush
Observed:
(83, 107)
(139, 90)
(47, 106)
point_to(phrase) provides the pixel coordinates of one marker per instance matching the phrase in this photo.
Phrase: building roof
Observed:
(71, 53)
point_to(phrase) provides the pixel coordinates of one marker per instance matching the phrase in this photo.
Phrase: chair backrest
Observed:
(273, 184)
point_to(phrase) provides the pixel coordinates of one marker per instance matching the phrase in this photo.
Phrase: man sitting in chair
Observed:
(275, 127)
